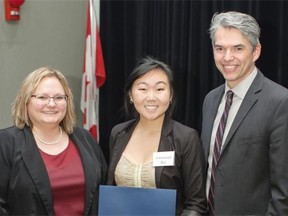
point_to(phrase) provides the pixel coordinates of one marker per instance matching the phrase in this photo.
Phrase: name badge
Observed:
(166, 158)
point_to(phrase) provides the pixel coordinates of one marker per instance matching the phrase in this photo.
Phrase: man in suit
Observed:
(247, 173)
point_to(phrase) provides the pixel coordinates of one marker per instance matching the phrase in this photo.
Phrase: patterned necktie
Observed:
(217, 150)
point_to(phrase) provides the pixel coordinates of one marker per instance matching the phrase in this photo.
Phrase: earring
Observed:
(131, 101)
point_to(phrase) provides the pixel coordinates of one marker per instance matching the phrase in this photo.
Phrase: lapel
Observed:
(90, 165)
(37, 169)
(166, 144)
(39, 175)
(122, 139)
(211, 109)
(249, 101)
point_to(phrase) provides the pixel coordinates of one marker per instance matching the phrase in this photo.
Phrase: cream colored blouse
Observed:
(131, 174)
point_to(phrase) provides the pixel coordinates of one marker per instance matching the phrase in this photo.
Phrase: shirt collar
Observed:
(242, 88)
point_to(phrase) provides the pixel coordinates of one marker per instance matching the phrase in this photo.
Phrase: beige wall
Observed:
(50, 32)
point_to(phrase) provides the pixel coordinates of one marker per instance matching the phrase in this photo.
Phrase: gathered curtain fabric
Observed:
(176, 32)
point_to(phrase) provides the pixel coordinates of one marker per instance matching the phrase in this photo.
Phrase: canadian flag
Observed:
(93, 73)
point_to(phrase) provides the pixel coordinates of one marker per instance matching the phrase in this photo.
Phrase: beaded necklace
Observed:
(49, 143)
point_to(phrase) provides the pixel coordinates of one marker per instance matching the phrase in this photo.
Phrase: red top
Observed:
(67, 181)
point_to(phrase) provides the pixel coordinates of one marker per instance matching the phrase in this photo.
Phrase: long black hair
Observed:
(144, 66)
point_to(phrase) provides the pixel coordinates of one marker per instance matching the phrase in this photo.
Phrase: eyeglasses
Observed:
(59, 99)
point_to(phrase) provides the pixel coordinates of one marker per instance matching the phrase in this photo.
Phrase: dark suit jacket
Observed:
(252, 172)
(187, 176)
(24, 181)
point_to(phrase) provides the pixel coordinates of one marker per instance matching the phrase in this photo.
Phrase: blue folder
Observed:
(115, 200)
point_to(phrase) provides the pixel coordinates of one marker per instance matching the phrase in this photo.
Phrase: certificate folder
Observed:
(115, 200)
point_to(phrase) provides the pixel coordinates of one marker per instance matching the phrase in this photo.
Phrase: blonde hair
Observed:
(27, 88)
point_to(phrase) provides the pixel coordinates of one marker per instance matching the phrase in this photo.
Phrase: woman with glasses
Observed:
(48, 166)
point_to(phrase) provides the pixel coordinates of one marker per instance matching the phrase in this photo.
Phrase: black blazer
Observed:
(252, 171)
(187, 176)
(24, 182)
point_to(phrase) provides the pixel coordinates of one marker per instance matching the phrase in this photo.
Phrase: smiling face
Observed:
(43, 114)
(233, 55)
(151, 95)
